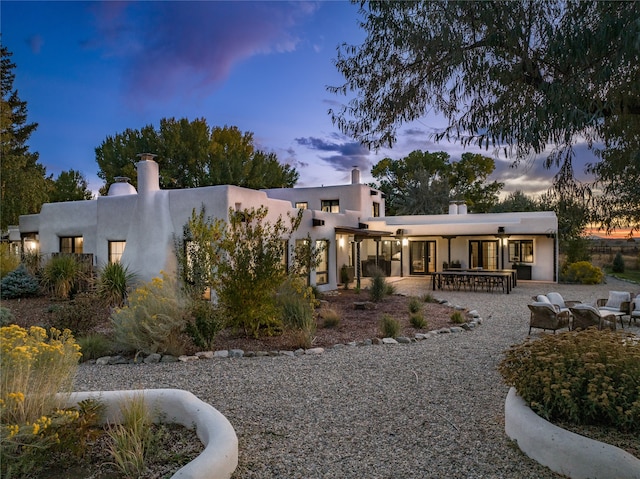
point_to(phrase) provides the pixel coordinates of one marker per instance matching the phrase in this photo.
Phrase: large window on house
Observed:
(521, 251)
(483, 254)
(116, 248)
(71, 244)
(302, 205)
(322, 271)
(376, 209)
(330, 206)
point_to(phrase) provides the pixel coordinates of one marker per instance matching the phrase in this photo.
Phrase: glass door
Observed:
(422, 257)
(483, 254)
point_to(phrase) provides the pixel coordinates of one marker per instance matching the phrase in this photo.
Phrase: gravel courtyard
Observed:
(432, 409)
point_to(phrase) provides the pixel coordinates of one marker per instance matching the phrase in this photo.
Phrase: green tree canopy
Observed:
(525, 76)
(69, 186)
(517, 201)
(191, 154)
(22, 179)
(425, 183)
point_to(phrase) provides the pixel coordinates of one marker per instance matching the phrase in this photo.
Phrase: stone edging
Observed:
(562, 451)
(220, 456)
(474, 320)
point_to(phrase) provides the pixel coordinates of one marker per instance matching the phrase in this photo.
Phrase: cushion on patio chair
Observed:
(586, 316)
(635, 308)
(616, 298)
(547, 316)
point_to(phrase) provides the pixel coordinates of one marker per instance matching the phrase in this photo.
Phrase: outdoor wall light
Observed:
(405, 241)
(500, 230)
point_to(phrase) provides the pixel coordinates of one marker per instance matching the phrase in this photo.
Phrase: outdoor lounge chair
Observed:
(558, 300)
(635, 310)
(547, 316)
(618, 303)
(586, 316)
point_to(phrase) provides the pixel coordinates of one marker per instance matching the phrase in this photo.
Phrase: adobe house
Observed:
(138, 228)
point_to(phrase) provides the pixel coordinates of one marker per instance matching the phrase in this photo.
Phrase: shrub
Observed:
(8, 260)
(207, 322)
(389, 327)
(19, 284)
(330, 318)
(417, 320)
(6, 316)
(154, 319)
(379, 287)
(94, 346)
(414, 305)
(80, 315)
(585, 377)
(618, 263)
(428, 298)
(582, 272)
(114, 282)
(296, 303)
(344, 276)
(457, 317)
(61, 275)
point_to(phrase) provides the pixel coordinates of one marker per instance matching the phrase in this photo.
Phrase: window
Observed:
(376, 209)
(71, 244)
(521, 251)
(322, 271)
(302, 205)
(330, 206)
(116, 248)
(483, 254)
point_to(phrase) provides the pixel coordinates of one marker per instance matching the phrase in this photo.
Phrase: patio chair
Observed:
(635, 310)
(558, 300)
(545, 316)
(586, 316)
(618, 303)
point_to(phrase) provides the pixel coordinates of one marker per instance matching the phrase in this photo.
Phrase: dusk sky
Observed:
(89, 70)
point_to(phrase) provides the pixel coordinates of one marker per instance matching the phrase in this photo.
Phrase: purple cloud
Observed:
(348, 154)
(171, 47)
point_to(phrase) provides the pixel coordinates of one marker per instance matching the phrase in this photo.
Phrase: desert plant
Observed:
(153, 320)
(8, 260)
(585, 377)
(330, 318)
(81, 315)
(414, 305)
(428, 298)
(379, 287)
(19, 284)
(114, 282)
(207, 322)
(582, 272)
(6, 316)
(417, 320)
(131, 439)
(618, 263)
(457, 317)
(389, 327)
(344, 276)
(296, 303)
(61, 275)
(94, 346)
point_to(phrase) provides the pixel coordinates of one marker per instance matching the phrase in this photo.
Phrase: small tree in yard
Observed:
(253, 269)
(306, 257)
(618, 263)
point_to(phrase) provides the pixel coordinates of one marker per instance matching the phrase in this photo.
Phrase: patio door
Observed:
(483, 254)
(422, 257)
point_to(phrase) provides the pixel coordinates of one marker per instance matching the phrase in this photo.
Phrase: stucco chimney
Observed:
(148, 174)
(462, 208)
(355, 176)
(453, 208)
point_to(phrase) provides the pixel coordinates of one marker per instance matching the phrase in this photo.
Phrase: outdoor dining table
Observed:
(474, 279)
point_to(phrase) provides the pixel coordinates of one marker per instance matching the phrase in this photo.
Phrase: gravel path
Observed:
(433, 409)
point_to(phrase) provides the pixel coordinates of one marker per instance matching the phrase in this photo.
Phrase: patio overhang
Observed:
(362, 233)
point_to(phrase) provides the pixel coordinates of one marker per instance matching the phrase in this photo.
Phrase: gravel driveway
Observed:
(432, 409)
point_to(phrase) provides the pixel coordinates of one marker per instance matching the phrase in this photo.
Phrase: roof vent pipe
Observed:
(462, 209)
(453, 208)
(355, 176)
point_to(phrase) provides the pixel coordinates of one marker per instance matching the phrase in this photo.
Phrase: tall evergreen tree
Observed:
(69, 186)
(23, 184)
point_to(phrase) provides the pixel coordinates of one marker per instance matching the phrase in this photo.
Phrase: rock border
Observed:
(220, 456)
(562, 451)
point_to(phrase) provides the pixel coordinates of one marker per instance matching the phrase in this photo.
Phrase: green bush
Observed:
(296, 303)
(19, 284)
(428, 298)
(94, 346)
(114, 282)
(330, 318)
(61, 275)
(585, 377)
(618, 263)
(9, 261)
(417, 320)
(389, 327)
(81, 315)
(6, 316)
(207, 322)
(457, 317)
(414, 305)
(154, 319)
(344, 276)
(581, 272)
(379, 287)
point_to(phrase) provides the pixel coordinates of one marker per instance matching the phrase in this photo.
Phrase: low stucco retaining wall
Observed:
(220, 456)
(562, 451)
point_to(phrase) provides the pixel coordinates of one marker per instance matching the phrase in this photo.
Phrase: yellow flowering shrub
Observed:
(153, 320)
(584, 377)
